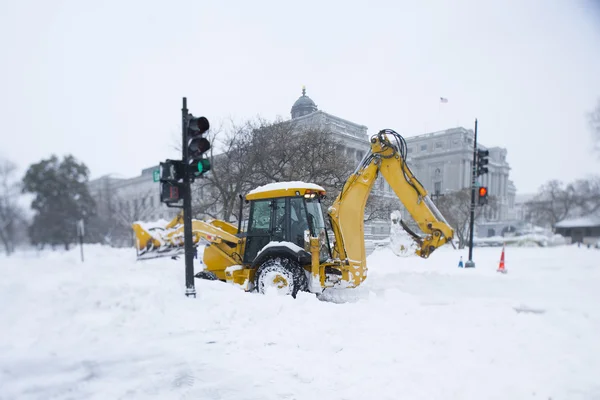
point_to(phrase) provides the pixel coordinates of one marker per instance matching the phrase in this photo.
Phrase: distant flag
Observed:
(443, 100)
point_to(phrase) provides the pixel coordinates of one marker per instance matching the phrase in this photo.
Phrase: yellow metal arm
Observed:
(414, 197)
(347, 211)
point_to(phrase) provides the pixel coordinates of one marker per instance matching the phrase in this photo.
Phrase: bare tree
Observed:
(11, 214)
(230, 173)
(117, 225)
(556, 201)
(285, 151)
(380, 208)
(456, 208)
(139, 209)
(553, 203)
(260, 152)
(585, 195)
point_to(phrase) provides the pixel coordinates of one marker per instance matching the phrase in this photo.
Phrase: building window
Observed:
(438, 188)
(423, 147)
(410, 150)
(439, 145)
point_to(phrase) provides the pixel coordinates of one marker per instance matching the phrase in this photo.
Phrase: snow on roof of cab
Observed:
(292, 185)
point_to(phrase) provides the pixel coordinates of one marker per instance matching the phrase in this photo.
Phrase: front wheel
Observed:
(280, 275)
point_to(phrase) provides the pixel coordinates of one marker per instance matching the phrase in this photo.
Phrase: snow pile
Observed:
(400, 242)
(580, 222)
(530, 239)
(149, 226)
(112, 328)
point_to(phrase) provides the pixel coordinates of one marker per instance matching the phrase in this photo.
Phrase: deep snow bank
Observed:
(112, 328)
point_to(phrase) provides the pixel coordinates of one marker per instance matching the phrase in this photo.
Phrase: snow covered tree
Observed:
(61, 199)
(12, 215)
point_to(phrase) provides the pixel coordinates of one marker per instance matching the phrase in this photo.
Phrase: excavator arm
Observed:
(388, 158)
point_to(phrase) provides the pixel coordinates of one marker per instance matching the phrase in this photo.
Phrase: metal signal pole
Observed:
(187, 207)
(470, 263)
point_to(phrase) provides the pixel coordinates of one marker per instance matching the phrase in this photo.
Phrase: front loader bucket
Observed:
(158, 253)
(156, 243)
(168, 241)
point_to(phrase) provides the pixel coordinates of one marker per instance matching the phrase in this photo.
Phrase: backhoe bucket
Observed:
(403, 241)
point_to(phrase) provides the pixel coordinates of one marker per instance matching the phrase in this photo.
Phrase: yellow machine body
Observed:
(233, 257)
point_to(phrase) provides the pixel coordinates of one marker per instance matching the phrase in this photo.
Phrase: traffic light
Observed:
(197, 145)
(483, 195)
(482, 160)
(170, 176)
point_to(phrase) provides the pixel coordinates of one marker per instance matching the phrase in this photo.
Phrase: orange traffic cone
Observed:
(501, 267)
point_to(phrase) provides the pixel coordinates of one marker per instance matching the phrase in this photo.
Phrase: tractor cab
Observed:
(285, 212)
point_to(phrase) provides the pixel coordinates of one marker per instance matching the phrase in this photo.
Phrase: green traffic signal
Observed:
(203, 165)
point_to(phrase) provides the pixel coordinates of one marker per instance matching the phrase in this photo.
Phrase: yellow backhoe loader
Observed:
(286, 246)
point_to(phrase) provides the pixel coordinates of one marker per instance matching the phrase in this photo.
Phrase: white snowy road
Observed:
(112, 328)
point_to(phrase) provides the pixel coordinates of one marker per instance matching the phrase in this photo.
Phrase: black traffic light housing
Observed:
(482, 161)
(171, 187)
(197, 146)
(483, 195)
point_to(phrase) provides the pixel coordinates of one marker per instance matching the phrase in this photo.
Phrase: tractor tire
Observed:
(282, 275)
(206, 275)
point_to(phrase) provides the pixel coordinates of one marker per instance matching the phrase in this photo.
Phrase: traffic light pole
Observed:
(470, 263)
(187, 207)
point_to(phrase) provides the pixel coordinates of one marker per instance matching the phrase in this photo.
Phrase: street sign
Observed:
(156, 175)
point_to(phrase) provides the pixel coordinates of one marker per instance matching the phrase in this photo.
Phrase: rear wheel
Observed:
(206, 275)
(280, 275)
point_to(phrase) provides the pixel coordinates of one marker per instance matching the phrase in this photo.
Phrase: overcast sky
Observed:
(103, 80)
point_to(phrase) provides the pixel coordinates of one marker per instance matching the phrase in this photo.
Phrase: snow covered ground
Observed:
(111, 328)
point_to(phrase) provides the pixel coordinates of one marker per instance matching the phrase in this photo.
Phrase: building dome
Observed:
(303, 106)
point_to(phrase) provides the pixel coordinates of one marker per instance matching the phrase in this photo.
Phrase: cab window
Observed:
(261, 217)
(298, 222)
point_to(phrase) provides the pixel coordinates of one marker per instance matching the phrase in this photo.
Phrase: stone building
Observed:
(442, 161)
(352, 136)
